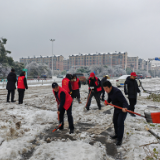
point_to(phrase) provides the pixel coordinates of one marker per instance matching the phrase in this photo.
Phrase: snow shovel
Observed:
(58, 125)
(154, 134)
(150, 117)
(88, 99)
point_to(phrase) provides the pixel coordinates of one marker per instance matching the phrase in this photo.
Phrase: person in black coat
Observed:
(102, 81)
(11, 85)
(22, 85)
(117, 98)
(131, 89)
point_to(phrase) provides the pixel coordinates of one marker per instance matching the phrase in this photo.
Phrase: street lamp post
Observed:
(52, 40)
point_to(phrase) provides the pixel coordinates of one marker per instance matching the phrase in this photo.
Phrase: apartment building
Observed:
(88, 59)
(141, 64)
(66, 64)
(57, 61)
(132, 62)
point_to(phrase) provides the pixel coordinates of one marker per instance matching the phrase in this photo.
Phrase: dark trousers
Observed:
(76, 94)
(21, 95)
(70, 118)
(103, 93)
(97, 97)
(12, 92)
(118, 121)
(132, 102)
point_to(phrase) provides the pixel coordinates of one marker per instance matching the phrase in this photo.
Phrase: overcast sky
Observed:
(81, 26)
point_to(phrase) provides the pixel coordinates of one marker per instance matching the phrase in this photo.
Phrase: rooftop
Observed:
(42, 56)
(97, 53)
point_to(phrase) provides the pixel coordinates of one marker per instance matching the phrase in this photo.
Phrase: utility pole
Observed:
(52, 40)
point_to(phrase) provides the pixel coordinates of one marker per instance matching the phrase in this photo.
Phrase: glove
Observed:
(92, 91)
(106, 103)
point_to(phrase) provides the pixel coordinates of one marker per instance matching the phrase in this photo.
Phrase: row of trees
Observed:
(6, 62)
(100, 70)
(37, 70)
(114, 71)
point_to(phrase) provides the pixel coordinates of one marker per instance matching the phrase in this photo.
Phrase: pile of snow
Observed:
(71, 150)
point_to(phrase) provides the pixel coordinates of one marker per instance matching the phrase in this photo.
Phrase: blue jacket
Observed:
(117, 98)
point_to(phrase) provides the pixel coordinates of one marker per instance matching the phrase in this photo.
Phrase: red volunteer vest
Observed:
(75, 84)
(21, 82)
(68, 98)
(65, 84)
(96, 82)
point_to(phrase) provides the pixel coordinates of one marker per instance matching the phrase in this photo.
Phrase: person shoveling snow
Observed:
(117, 98)
(64, 101)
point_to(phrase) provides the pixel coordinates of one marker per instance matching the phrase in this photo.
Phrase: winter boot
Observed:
(79, 101)
(113, 137)
(119, 142)
(71, 131)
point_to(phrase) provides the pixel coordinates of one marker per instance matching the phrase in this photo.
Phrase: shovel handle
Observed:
(126, 110)
(58, 116)
(88, 98)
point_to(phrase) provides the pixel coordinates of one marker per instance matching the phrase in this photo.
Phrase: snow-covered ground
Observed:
(26, 130)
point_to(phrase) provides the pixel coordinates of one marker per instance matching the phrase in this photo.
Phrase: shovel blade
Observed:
(152, 117)
(57, 127)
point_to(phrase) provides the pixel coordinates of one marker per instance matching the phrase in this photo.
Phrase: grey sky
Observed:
(81, 26)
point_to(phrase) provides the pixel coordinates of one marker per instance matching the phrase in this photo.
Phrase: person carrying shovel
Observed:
(94, 90)
(117, 98)
(64, 103)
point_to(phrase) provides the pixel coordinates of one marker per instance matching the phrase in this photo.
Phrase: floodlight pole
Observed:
(52, 40)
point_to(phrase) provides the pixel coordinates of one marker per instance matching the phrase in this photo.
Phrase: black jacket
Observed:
(131, 88)
(61, 100)
(103, 80)
(117, 98)
(12, 78)
(25, 82)
(93, 84)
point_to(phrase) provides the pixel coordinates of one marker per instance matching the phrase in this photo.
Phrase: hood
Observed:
(74, 75)
(22, 74)
(69, 76)
(129, 78)
(11, 74)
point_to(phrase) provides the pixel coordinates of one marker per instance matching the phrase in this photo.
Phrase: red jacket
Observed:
(75, 84)
(65, 84)
(68, 98)
(21, 82)
(96, 82)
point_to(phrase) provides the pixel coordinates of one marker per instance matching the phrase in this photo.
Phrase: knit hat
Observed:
(133, 74)
(92, 74)
(54, 85)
